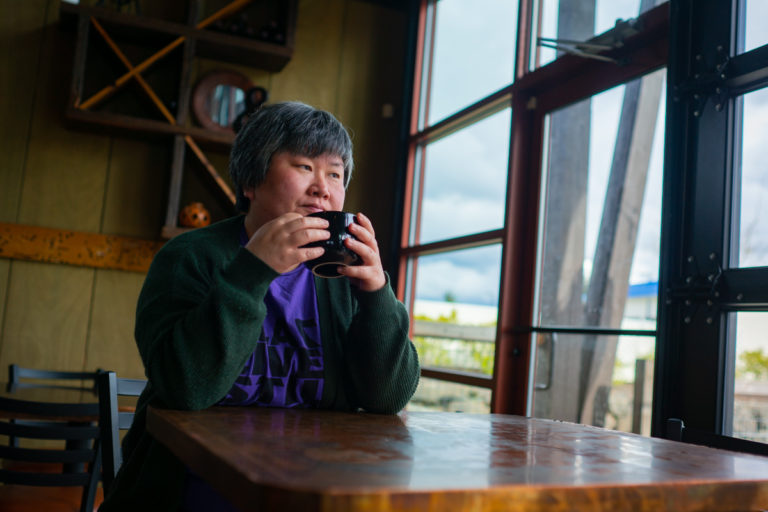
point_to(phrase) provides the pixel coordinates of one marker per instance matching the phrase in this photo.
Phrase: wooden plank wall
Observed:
(347, 60)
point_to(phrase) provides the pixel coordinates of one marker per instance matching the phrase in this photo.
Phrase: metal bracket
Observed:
(591, 48)
(700, 289)
(579, 48)
(706, 82)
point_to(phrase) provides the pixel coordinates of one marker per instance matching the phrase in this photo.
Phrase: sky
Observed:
(465, 179)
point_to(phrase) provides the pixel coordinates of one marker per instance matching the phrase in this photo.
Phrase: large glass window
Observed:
(599, 380)
(465, 177)
(599, 255)
(487, 309)
(756, 14)
(468, 36)
(749, 415)
(753, 190)
(602, 206)
(450, 265)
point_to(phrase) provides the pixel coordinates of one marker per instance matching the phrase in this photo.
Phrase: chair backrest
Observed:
(677, 431)
(112, 419)
(20, 377)
(51, 433)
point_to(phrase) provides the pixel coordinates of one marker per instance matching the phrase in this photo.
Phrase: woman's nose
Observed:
(319, 187)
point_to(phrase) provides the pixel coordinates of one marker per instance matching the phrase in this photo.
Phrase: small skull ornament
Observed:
(194, 215)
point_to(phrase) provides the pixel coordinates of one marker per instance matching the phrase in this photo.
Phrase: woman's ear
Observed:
(249, 192)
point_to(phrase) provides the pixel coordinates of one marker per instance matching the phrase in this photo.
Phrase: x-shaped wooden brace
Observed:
(135, 72)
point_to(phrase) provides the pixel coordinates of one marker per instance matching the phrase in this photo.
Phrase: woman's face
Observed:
(296, 183)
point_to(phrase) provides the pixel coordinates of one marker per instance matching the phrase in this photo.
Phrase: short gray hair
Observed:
(293, 127)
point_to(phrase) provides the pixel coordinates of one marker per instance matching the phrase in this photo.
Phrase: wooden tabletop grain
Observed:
(305, 460)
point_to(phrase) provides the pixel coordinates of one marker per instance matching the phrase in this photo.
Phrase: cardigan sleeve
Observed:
(381, 360)
(198, 320)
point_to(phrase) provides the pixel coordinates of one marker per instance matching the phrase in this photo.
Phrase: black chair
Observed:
(64, 435)
(112, 420)
(677, 431)
(20, 377)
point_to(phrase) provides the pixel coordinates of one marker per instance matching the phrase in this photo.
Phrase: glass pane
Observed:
(606, 381)
(456, 307)
(750, 400)
(753, 230)
(755, 26)
(600, 232)
(465, 180)
(439, 395)
(474, 52)
(579, 20)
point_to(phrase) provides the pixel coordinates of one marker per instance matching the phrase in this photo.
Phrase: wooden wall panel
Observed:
(5, 273)
(371, 76)
(21, 25)
(136, 195)
(46, 316)
(110, 338)
(312, 74)
(65, 170)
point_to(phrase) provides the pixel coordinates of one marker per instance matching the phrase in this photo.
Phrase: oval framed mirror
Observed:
(219, 98)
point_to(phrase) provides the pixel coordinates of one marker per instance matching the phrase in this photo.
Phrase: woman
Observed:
(230, 315)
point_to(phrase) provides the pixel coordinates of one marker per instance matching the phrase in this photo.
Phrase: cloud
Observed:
(474, 159)
(465, 181)
(455, 215)
(471, 276)
(474, 53)
(757, 13)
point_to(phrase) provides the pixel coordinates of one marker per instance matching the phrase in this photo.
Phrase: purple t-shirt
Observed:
(285, 369)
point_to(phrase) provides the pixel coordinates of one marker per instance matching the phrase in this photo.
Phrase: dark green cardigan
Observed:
(198, 319)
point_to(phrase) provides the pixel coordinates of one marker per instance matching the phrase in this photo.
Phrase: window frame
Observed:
(708, 76)
(532, 95)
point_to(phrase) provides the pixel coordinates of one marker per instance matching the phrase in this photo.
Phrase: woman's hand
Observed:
(278, 242)
(369, 276)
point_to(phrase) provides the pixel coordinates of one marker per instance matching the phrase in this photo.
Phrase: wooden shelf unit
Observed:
(157, 34)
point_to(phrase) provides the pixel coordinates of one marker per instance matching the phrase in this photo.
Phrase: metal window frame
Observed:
(708, 74)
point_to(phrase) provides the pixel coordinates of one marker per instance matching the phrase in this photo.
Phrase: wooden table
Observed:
(277, 459)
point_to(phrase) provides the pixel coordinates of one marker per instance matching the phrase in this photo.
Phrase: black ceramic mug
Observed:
(336, 253)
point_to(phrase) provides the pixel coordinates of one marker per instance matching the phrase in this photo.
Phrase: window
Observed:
(754, 33)
(606, 301)
(752, 241)
(467, 35)
(599, 251)
(749, 409)
(714, 254)
(456, 198)
(477, 174)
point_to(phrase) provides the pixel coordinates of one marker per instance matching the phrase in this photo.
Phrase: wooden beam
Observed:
(34, 243)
